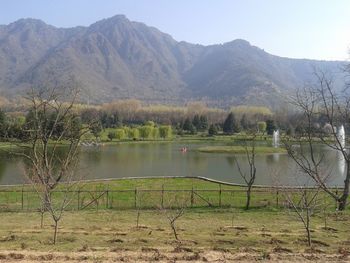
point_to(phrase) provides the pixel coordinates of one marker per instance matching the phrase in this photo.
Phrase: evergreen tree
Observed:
(231, 125)
(244, 122)
(187, 125)
(196, 122)
(270, 126)
(203, 123)
(212, 130)
(3, 124)
(193, 129)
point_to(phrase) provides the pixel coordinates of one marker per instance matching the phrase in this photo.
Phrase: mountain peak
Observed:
(29, 21)
(117, 58)
(238, 42)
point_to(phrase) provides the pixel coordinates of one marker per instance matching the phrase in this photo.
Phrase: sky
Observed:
(314, 29)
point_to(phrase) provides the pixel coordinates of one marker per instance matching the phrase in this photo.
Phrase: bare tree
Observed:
(51, 169)
(174, 211)
(304, 202)
(314, 102)
(249, 178)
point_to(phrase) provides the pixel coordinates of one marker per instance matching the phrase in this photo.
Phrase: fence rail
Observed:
(28, 200)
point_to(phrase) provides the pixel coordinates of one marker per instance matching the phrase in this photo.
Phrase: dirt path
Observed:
(153, 255)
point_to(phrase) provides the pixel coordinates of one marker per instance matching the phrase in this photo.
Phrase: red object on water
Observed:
(184, 149)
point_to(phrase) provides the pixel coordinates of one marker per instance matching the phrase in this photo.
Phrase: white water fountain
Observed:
(341, 136)
(276, 138)
(341, 160)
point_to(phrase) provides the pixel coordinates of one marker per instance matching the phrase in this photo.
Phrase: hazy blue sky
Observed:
(316, 29)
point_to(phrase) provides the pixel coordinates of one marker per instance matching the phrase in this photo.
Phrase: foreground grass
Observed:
(108, 233)
(257, 230)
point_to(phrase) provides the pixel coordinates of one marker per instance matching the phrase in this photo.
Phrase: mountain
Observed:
(116, 59)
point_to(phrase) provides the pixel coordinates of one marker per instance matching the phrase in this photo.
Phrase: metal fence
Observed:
(28, 200)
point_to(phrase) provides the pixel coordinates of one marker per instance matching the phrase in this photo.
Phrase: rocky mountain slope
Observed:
(116, 59)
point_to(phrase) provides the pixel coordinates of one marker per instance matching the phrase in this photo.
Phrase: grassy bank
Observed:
(241, 149)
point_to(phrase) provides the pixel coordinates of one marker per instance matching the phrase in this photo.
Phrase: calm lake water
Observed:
(166, 159)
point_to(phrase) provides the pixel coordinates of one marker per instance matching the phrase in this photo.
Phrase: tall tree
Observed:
(270, 126)
(231, 125)
(312, 101)
(52, 121)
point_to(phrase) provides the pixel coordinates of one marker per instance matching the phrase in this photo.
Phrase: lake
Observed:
(166, 159)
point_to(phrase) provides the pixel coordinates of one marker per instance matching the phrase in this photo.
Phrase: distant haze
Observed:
(311, 29)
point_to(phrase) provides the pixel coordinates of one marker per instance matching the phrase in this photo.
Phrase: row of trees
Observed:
(147, 131)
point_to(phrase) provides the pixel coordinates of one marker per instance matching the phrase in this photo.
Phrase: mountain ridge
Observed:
(116, 58)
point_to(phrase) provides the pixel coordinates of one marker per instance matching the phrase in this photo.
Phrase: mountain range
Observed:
(116, 58)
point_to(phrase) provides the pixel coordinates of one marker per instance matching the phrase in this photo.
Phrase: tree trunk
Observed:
(42, 219)
(55, 233)
(308, 227)
(342, 202)
(174, 230)
(247, 205)
(137, 219)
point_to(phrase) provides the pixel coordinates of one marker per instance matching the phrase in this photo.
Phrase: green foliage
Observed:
(155, 132)
(150, 123)
(270, 126)
(134, 133)
(187, 126)
(262, 126)
(212, 130)
(3, 124)
(203, 123)
(146, 132)
(165, 131)
(196, 121)
(200, 122)
(231, 125)
(244, 122)
(111, 135)
(96, 129)
(120, 134)
(111, 120)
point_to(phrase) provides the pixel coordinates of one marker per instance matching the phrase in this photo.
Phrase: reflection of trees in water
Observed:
(271, 159)
(4, 160)
(197, 165)
(231, 161)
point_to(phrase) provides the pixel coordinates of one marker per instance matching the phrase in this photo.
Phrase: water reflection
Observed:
(166, 159)
(341, 164)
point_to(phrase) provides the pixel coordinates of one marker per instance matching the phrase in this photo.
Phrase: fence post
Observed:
(277, 197)
(107, 199)
(112, 196)
(336, 193)
(135, 198)
(22, 199)
(78, 199)
(192, 197)
(162, 196)
(220, 196)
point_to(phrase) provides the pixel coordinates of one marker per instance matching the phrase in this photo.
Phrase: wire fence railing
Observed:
(29, 200)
